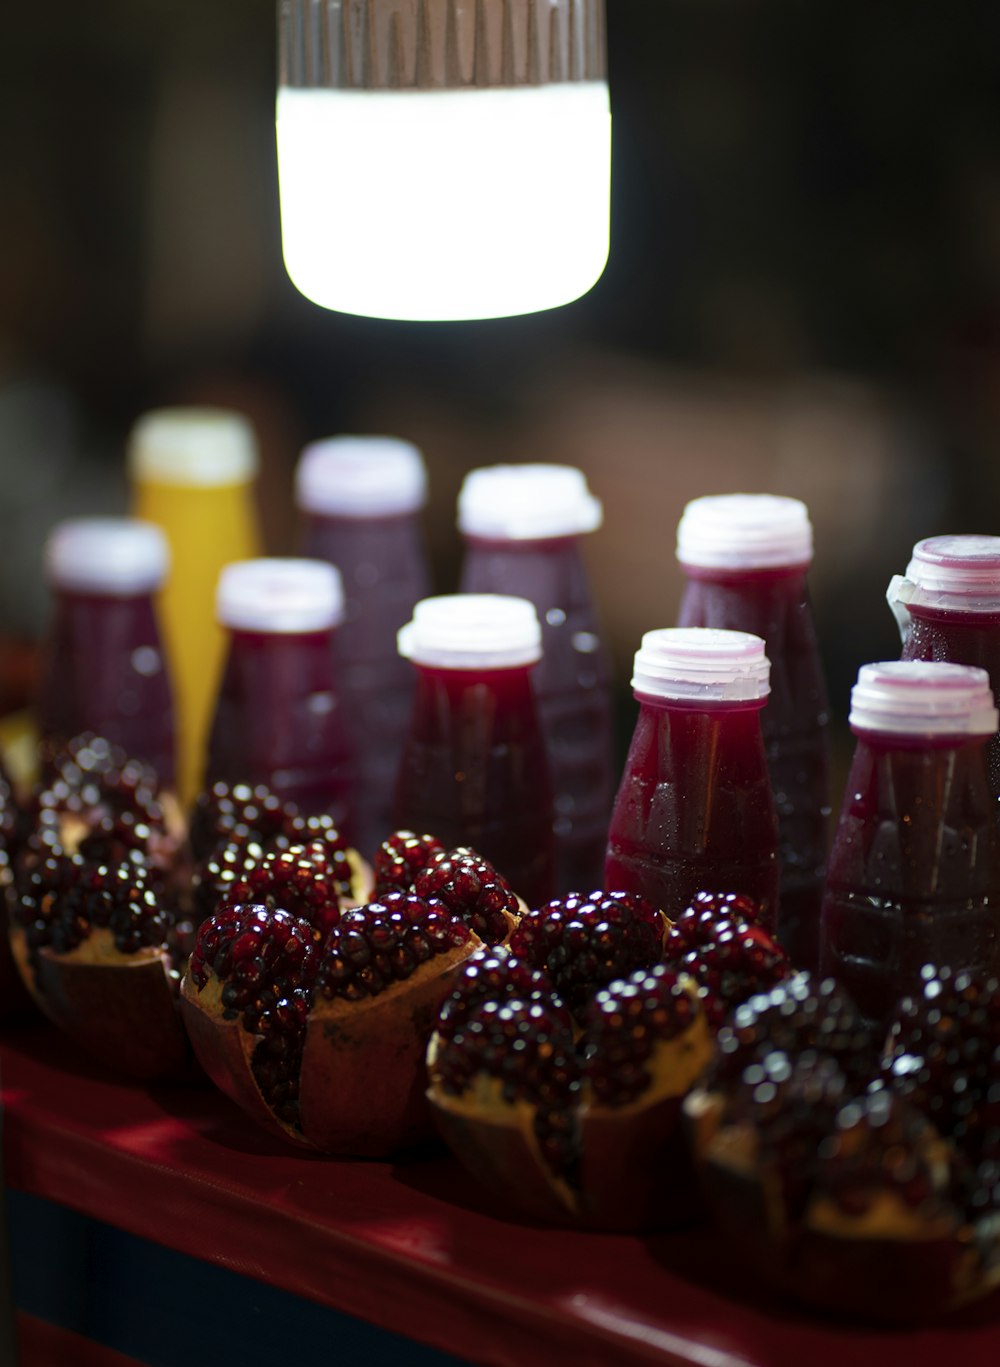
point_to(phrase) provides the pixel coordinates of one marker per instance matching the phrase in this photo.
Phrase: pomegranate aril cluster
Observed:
(584, 943)
(237, 814)
(624, 1023)
(400, 859)
(65, 898)
(386, 942)
(470, 887)
(266, 961)
(299, 880)
(494, 974)
(720, 941)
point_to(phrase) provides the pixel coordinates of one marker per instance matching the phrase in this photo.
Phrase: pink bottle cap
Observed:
(956, 573)
(701, 664)
(527, 503)
(472, 631)
(279, 596)
(923, 698)
(744, 532)
(114, 555)
(361, 477)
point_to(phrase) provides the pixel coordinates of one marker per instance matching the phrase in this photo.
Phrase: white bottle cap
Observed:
(957, 573)
(472, 631)
(114, 555)
(923, 698)
(275, 595)
(361, 477)
(527, 503)
(744, 532)
(193, 446)
(701, 664)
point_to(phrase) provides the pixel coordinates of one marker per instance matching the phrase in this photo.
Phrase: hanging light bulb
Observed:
(443, 159)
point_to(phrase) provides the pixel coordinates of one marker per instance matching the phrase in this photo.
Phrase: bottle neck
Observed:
(778, 577)
(693, 706)
(885, 743)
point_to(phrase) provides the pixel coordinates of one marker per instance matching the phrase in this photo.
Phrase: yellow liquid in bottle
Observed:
(208, 525)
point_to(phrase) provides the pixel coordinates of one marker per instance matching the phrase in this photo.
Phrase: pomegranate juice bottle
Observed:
(278, 717)
(694, 810)
(104, 669)
(361, 498)
(522, 526)
(914, 874)
(745, 558)
(948, 608)
(474, 769)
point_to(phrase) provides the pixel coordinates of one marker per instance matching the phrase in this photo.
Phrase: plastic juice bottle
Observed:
(192, 472)
(948, 608)
(745, 558)
(694, 810)
(361, 499)
(279, 719)
(914, 873)
(474, 769)
(522, 526)
(104, 669)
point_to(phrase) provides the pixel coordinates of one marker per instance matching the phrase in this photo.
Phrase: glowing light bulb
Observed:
(440, 159)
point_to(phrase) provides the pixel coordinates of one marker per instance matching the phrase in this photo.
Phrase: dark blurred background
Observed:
(803, 294)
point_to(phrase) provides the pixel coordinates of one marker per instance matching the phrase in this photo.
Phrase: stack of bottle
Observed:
(485, 717)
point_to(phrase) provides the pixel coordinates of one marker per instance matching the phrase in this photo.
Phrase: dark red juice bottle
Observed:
(522, 526)
(361, 499)
(914, 875)
(278, 718)
(745, 558)
(694, 810)
(474, 769)
(104, 669)
(948, 608)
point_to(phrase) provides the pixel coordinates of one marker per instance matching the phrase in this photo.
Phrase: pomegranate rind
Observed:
(890, 1266)
(494, 1140)
(635, 1170)
(225, 1049)
(120, 1008)
(362, 1086)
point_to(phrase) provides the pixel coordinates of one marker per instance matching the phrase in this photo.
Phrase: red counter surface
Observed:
(411, 1246)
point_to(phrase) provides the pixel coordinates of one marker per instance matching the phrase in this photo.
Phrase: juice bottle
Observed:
(361, 498)
(745, 558)
(522, 526)
(192, 472)
(914, 873)
(474, 769)
(278, 718)
(694, 810)
(948, 608)
(104, 668)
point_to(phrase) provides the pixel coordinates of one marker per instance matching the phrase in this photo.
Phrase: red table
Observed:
(412, 1246)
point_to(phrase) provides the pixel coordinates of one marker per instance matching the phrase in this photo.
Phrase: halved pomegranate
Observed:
(570, 1127)
(838, 1190)
(100, 952)
(333, 1053)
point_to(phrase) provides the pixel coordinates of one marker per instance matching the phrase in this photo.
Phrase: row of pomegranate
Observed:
(578, 1057)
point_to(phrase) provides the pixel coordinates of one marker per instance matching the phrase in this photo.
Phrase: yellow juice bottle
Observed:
(193, 472)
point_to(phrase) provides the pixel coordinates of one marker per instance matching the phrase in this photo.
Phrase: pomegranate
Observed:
(721, 941)
(14, 997)
(100, 952)
(315, 1017)
(835, 1187)
(570, 1127)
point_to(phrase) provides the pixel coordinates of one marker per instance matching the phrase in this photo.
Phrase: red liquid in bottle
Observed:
(573, 687)
(522, 526)
(914, 873)
(104, 669)
(745, 558)
(774, 605)
(694, 810)
(278, 718)
(104, 672)
(381, 561)
(474, 769)
(361, 498)
(948, 609)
